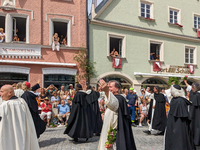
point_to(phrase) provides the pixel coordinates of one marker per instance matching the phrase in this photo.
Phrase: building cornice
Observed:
(143, 30)
(38, 63)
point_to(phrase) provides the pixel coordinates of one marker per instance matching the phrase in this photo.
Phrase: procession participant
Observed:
(17, 131)
(92, 100)
(30, 99)
(158, 113)
(116, 117)
(194, 111)
(79, 123)
(178, 135)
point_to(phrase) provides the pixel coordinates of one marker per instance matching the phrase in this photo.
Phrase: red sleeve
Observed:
(42, 106)
(49, 106)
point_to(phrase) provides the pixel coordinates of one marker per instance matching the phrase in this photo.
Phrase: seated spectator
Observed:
(143, 111)
(55, 42)
(65, 42)
(157, 57)
(49, 90)
(46, 110)
(2, 35)
(55, 97)
(61, 40)
(66, 97)
(42, 94)
(114, 53)
(64, 111)
(15, 38)
(152, 56)
(102, 108)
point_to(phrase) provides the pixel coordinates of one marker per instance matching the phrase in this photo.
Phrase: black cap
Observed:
(79, 86)
(177, 87)
(89, 87)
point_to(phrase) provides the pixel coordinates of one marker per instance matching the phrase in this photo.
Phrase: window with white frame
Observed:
(189, 55)
(196, 22)
(145, 10)
(62, 28)
(173, 16)
(156, 50)
(116, 45)
(19, 29)
(2, 29)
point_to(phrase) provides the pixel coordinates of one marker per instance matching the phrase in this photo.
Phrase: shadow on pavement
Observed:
(51, 141)
(90, 140)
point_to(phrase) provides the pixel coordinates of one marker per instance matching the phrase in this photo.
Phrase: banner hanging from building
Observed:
(117, 63)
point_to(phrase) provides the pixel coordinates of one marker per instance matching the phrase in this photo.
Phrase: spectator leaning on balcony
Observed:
(64, 111)
(46, 110)
(2, 35)
(55, 42)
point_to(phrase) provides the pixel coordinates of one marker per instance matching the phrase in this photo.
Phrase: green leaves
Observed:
(85, 64)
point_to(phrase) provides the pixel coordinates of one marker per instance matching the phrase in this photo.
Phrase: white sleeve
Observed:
(147, 94)
(112, 102)
(189, 88)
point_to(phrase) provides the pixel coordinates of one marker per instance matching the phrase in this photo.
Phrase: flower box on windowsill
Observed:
(145, 18)
(175, 24)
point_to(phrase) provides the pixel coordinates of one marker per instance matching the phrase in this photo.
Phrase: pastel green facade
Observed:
(137, 43)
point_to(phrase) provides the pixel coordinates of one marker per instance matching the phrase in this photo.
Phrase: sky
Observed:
(90, 3)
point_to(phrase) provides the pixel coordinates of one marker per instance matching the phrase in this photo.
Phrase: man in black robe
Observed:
(158, 112)
(30, 99)
(79, 122)
(178, 135)
(95, 115)
(194, 111)
(124, 137)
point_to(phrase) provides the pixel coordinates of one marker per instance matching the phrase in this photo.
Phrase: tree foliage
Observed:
(85, 64)
(176, 80)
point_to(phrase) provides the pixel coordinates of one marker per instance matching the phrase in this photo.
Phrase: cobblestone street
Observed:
(54, 139)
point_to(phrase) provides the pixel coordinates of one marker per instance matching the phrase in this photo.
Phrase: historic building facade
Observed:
(154, 40)
(26, 52)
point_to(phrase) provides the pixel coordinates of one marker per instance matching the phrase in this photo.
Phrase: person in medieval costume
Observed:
(116, 117)
(194, 111)
(158, 112)
(79, 124)
(92, 100)
(178, 135)
(17, 131)
(30, 99)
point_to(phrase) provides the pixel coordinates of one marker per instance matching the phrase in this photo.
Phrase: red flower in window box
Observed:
(178, 25)
(148, 18)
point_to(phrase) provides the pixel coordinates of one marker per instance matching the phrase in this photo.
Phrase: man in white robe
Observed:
(17, 131)
(116, 118)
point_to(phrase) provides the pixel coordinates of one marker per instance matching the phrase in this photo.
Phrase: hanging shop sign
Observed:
(172, 69)
(20, 52)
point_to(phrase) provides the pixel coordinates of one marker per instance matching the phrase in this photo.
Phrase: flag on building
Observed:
(117, 63)
(157, 66)
(191, 69)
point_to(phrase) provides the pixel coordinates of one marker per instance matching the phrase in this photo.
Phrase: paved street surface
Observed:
(54, 139)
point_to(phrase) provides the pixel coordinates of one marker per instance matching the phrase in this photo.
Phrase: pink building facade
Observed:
(34, 23)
